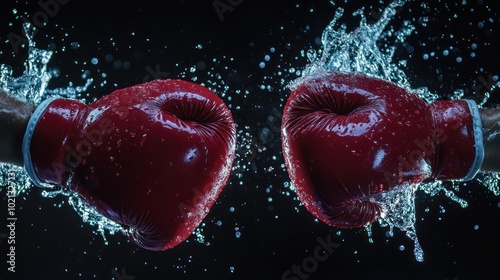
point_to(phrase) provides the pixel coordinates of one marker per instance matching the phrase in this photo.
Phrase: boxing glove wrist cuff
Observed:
(28, 136)
(460, 150)
(477, 128)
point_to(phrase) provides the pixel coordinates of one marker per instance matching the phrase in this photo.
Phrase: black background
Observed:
(54, 243)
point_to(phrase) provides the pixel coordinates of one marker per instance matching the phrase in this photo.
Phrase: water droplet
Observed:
(75, 45)
(201, 65)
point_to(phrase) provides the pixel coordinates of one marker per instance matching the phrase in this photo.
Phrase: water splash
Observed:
(358, 51)
(361, 51)
(32, 86)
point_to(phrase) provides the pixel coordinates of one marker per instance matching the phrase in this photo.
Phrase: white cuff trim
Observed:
(28, 164)
(477, 128)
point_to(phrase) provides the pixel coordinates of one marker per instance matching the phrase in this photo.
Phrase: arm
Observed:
(491, 128)
(14, 117)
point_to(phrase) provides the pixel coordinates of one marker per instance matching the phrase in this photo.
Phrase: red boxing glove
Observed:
(347, 137)
(152, 157)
